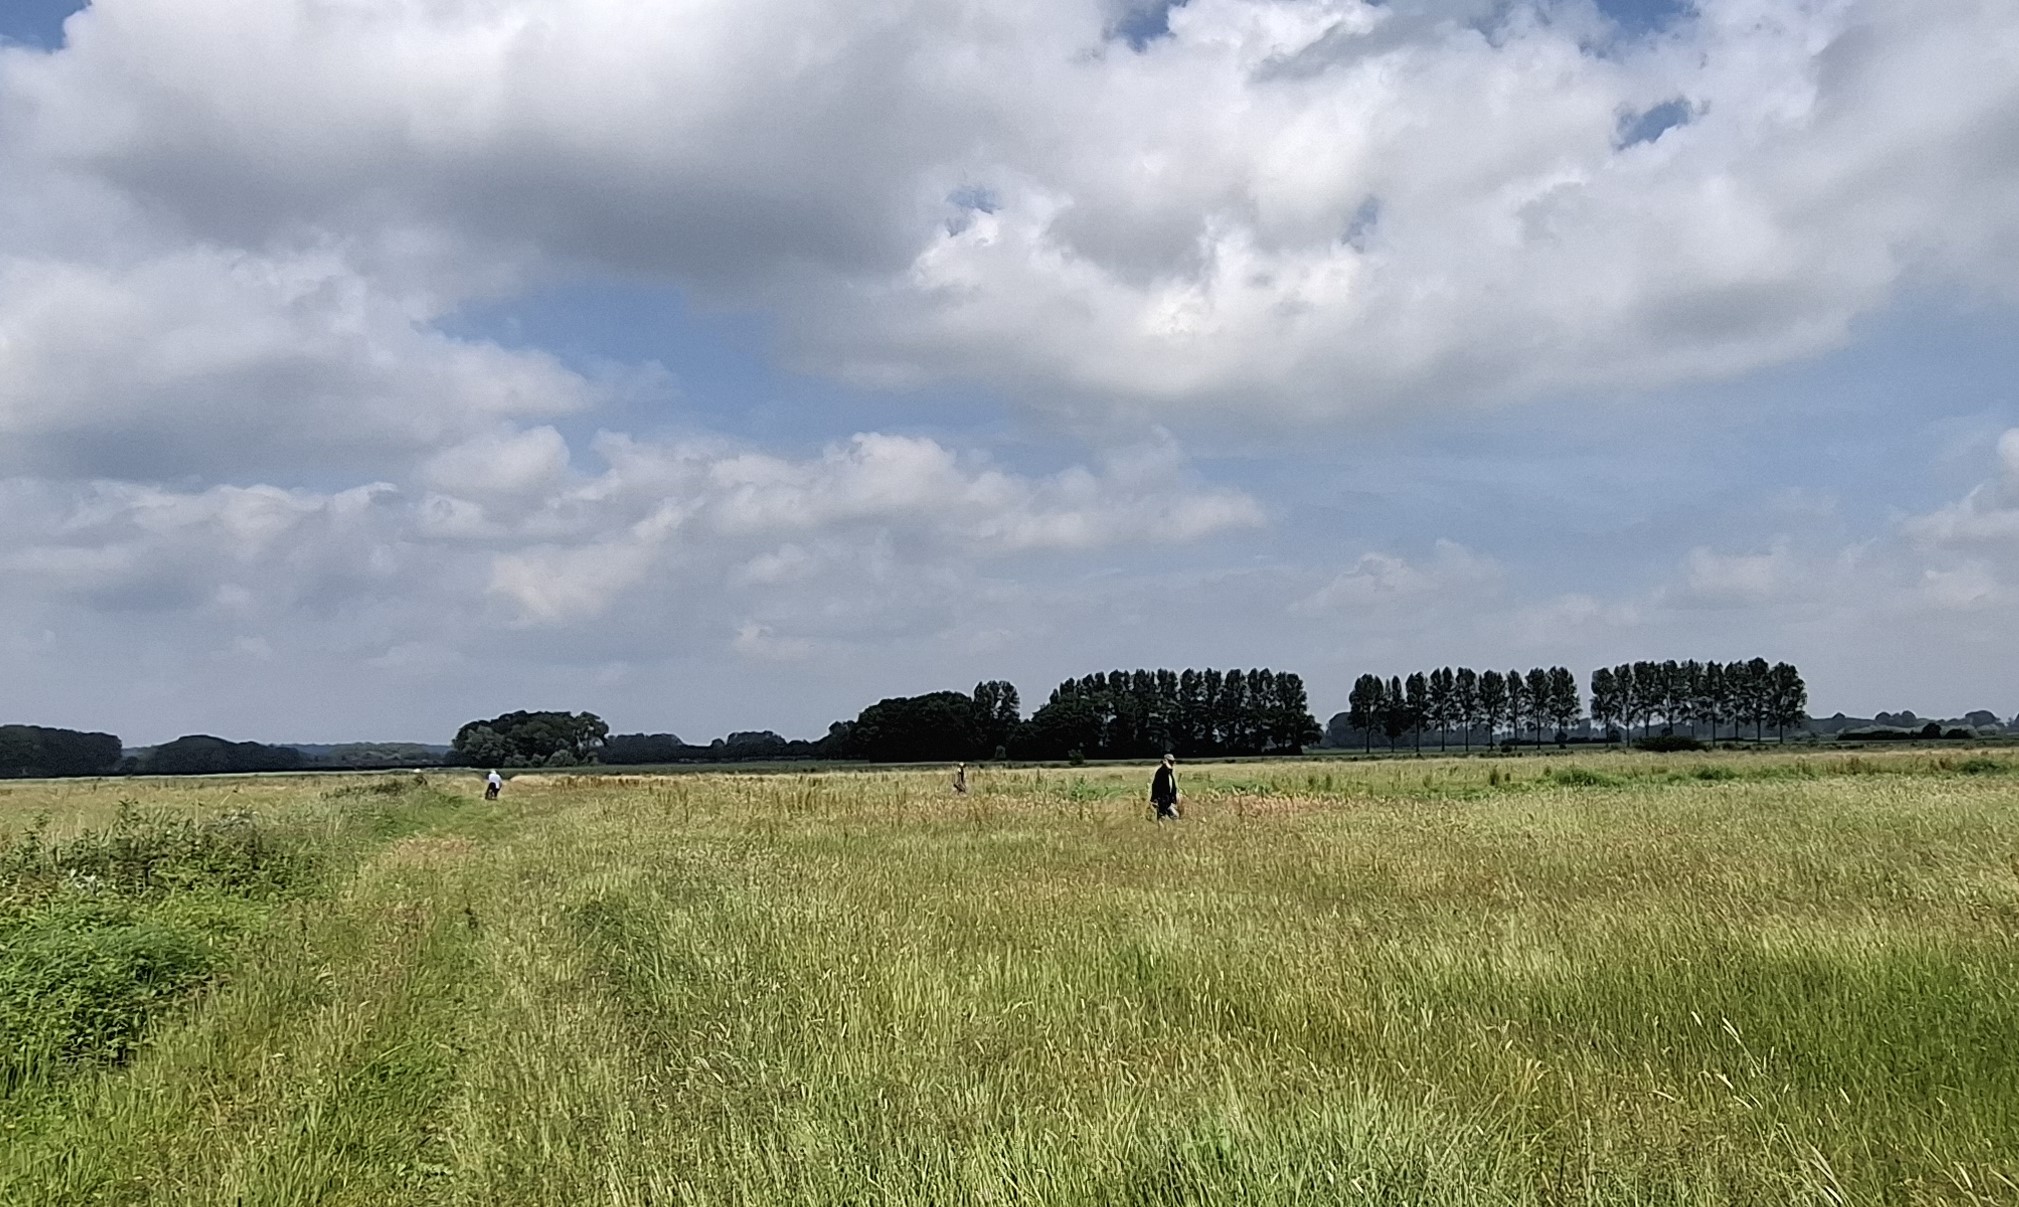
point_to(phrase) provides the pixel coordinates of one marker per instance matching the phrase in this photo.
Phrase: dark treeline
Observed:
(1122, 714)
(33, 750)
(1705, 697)
(745, 746)
(1190, 713)
(201, 754)
(1462, 705)
(1459, 706)
(1111, 714)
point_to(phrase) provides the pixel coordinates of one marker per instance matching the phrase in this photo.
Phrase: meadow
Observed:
(1600, 979)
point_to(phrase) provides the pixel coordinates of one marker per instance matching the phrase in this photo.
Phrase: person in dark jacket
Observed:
(1164, 794)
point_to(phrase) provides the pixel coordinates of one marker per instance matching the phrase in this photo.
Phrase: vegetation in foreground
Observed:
(1603, 979)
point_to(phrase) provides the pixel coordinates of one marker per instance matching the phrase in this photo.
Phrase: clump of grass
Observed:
(1581, 777)
(1713, 773)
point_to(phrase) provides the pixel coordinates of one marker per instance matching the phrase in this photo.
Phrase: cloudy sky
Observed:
(371, 365)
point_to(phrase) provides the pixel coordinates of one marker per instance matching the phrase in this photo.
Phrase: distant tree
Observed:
(1757, 687)
(1684, 689)
(1518, 703)
(1788, 698)
(1629, 691)
(1192, 734)
(38, 751)
(1440, 703)
(1465, 701)
(1293, 727)
(482, 746)
(1565, 708)
(1711, 696)
(533, 737)
(627, 749)
(1604, 701)
(1416, 697)
(1492, 701)
(1364, 707)
(935, 727)
(997, 712)
(202, 754)
(1538, 700)
(1394, 710)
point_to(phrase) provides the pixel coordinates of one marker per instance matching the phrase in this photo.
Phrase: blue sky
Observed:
(653, 369)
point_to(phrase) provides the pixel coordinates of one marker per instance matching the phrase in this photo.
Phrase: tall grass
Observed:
(1681, 979)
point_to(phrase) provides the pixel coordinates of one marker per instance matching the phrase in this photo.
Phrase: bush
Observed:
(1980, 765)
(1714, 774)
(1668, 743)
(79, 984)
(1581, 777)
(101, 933)
(146, 854)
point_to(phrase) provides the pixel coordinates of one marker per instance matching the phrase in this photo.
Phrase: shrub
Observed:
(1581, 777)
(1981, 765)
(146, 854)
(100, 933)
(1668, 743)
(1714, 774)
(78, 983)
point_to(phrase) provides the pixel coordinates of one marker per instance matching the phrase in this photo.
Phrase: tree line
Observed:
(1707, 694)
(1109, 714)
(1704, 696)
(1190, 713)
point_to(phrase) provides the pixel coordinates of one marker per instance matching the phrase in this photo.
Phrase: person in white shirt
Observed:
(492, 784)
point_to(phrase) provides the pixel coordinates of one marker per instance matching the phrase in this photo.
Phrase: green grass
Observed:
(1607, 979)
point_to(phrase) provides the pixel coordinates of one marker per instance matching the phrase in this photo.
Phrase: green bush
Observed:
(79, 982)
(1668, 743)
(103, 932)
(1581, 777)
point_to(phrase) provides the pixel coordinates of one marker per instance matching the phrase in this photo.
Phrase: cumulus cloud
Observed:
(1737, 579)
(1454, 576)
(216, 362)
(565, 544)
(1303, 207)
(1987, 516)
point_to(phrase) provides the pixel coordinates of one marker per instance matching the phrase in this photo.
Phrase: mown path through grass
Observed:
(1385, 983)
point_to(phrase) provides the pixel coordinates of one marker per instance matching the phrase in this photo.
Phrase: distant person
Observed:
(492, 783)
(1164, 793)
(960, 779)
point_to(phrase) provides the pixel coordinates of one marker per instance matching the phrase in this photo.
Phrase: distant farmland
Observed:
(1602, 978)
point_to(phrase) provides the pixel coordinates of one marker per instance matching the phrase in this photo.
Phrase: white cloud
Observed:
(213, 361)
(1737, 579)
(1454, 578)
(1302, 207)
(1987, 516)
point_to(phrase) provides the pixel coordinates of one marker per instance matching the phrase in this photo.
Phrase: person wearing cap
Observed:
(1164, 795)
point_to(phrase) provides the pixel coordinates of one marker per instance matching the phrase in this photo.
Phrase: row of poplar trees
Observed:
(1704, 696)
(1145, 713)
(1465, 700)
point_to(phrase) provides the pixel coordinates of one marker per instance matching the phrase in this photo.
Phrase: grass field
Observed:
(1607, 979)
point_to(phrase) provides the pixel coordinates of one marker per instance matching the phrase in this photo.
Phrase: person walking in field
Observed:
(1164, 795)
(492, 783)
(960, 779)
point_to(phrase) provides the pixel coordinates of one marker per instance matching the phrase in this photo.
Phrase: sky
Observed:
(369, 366)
